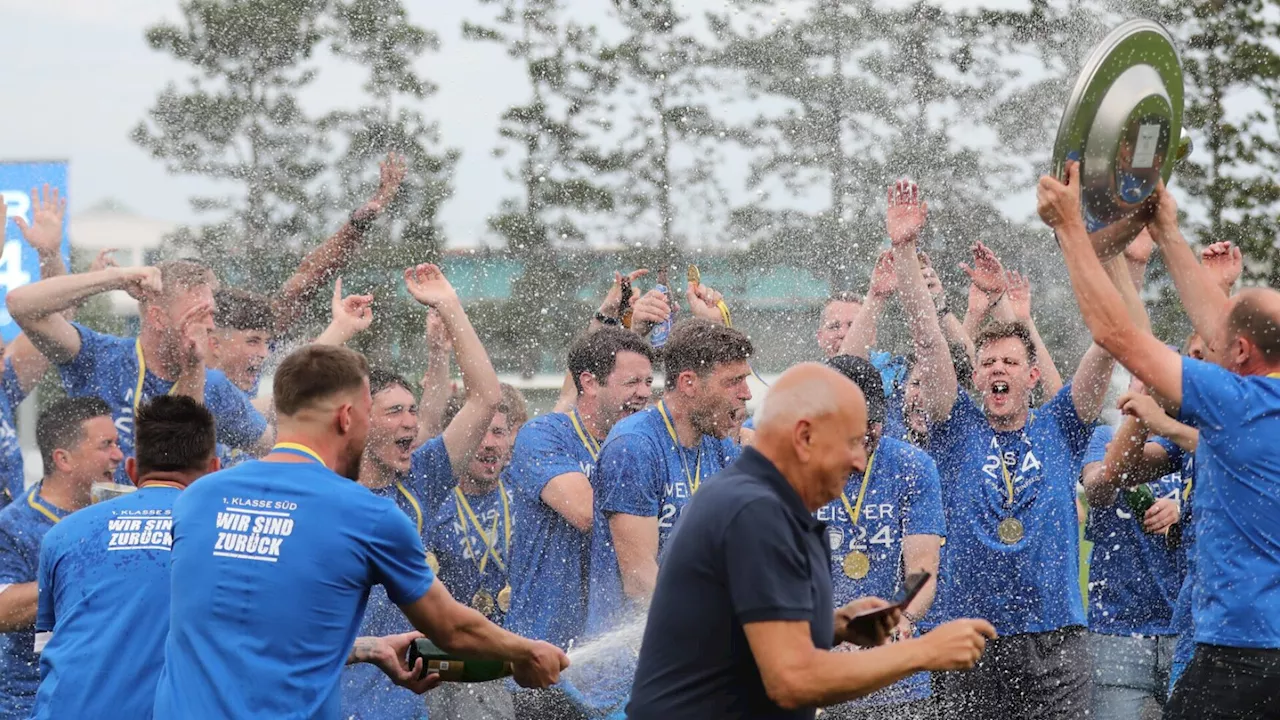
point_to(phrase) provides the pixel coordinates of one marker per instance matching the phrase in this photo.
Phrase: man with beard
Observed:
(79, 446)
(471, 541)
(417, 481)
(550, 479)
(168, 356)
(273, 561)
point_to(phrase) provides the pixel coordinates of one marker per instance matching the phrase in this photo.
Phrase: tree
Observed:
(238, 120)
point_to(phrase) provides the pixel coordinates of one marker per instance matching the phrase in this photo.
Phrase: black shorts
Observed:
(1227, 683)
(1040, 676)
(547, 704)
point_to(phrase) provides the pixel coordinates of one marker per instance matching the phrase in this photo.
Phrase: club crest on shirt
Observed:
(835, 537)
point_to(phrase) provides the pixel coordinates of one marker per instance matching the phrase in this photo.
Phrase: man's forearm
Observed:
(18, 607)
(315, 270)
(976, 312)
(1201, 296)
(829, 678)
(435, 395)
(478, 376)
(1050, 378)
(51, 265)
(46, 297)
(862, 333)
(1122, 458)
(191, 384)
(933, 355)
(474, 636)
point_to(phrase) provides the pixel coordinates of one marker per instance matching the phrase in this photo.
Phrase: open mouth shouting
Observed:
(488, 462)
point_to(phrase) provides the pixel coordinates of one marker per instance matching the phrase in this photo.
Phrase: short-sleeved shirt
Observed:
(1031, 585)
(903, 497)
(1237, 598)
(548, 569)
(12, 477)
(104, 597)
(107, 367)
(272, 567)
(472, 565)
(22, 526)
(1134, 576)
(367, 692)
(747, 551)
(642, 472)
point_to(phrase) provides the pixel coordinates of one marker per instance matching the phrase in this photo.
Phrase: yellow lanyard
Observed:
(1008, 479)
(695, 479)
(142, 375)
(31, 500)
(299, 449)
(862, 493)
(413, 502)
(460, 502)
(588, 442)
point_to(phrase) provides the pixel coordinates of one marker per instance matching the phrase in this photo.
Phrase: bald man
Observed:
(741, 623)
(1235, 404)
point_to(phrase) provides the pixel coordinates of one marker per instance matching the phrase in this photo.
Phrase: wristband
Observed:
(606, 320)
(360, 225)
(943, 311)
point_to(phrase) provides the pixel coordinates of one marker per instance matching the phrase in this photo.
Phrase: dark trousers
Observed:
(918, 710)
(547, 704)
(1033, 676)
(1223, 682)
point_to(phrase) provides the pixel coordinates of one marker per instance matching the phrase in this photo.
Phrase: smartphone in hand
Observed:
(864, 623)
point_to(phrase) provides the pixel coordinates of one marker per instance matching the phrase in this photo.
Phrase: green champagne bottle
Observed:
(1140, 499)
(456, 669)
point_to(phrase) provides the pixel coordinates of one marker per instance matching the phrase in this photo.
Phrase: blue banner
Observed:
(19, 264)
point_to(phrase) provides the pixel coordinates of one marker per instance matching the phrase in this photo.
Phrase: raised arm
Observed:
(428, 286)
(987, 286)
(905, 219)
(861, 336)
(1019, 299)
(435, 381)
(35, 307)
(1201, 295)
(1101, 304)
(195, 325)
(952, 329)
(44, 234)
(349, 316)
(1130, 460)
(321, 264)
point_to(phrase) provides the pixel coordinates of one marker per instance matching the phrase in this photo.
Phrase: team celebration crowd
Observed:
(248, 576)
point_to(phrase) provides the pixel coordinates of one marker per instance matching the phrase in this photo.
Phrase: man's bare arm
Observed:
(635, 540)
(35, 307)
(571, 496)
(18, 607)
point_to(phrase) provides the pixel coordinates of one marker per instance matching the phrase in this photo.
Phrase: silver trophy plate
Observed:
(1123, 122)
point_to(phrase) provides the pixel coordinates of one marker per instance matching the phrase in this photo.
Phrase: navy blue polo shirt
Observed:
(746, 550)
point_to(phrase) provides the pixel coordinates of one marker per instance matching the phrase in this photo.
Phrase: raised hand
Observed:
(934, 286)
(1058, 203)
(103, 260)
(986, 274)
(883, 280)
(649, 310)
(1165, 216)
(48, 210)
(610, 307)
(542, 667)
(194, 327)
(140, 282)
(907, 215)
(1225, 262)
(704, 302)
(439, 342)
(1142, 406)
(428, 286)
(1019, 294)
(353, 313)
(391, 172)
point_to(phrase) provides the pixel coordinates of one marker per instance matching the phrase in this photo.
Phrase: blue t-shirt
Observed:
(641, 472)
(12, 479)
(22, 526)
(1237, 598)
(1031, 585)
(548, 569)
(272, 566)
(104, 596)
(750, 552)
(367, 692)
(462, 551)
(903, 497)
(107, 367)
(1134, 576)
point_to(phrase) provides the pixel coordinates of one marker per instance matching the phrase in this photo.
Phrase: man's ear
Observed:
(802, 440)
(131, 469)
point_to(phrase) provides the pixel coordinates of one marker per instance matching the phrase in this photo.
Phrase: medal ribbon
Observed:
(299, 449)
(862, 493)
(413, 502)
(35, 505)
(142, 375)
(696, 479)
(460, 503)
(588, 441)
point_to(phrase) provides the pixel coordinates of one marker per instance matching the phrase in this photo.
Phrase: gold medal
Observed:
(1010, 530)
(504, 599)
(483, 602)
(433, 562)
(857, 564)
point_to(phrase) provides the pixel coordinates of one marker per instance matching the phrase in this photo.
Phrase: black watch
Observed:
(606, 320)
(360, 225)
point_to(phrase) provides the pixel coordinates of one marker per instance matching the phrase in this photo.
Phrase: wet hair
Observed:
(844, 296)
(173, 433)
(999, 331)
(597, 353)
(700, 346)
(380, 379)
(1249, 319)
(867, 378)
(181, 275)
(513, 406)
(314, 373)
(61, 426)
(238, 309)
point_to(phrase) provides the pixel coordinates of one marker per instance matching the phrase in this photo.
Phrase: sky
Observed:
(81, 77)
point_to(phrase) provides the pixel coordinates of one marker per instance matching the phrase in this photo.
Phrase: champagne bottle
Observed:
(456, 669)
(1140, 499)
(658, 336)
